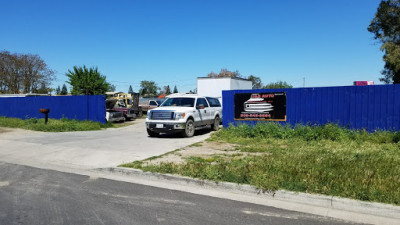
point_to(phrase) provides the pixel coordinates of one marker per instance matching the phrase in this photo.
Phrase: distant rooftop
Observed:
(233, 78)
(20, 95)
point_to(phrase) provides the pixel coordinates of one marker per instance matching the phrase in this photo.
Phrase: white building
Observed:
(213, 86)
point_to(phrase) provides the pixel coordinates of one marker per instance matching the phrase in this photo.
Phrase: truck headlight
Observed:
(149, 115)
(179, 116)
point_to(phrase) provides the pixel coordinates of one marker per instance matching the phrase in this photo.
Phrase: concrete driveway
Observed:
(89, 149)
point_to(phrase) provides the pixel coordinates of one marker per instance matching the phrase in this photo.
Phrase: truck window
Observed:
(183, 102)
(214, 102)
(202, 101)
(153, 103)
(121, 103)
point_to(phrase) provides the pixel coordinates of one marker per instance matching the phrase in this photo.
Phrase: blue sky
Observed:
(172, 42)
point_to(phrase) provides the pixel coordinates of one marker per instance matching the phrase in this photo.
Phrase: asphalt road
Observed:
(88, 149)
(37, 196)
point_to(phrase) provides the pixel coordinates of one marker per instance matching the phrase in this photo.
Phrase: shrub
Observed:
(53, 125)
(329, 131)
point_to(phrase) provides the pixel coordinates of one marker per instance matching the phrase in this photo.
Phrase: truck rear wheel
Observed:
(189, 129)
(215, 125)
(152, 133)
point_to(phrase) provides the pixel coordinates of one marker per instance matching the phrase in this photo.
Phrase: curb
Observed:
(329, 202)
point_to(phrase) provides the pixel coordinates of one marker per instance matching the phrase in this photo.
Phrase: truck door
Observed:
(152, 104)
(212, 108)
(203, 111)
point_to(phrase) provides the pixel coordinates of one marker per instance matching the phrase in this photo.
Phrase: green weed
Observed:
(53, 125)
(197, 144)
(325, 159)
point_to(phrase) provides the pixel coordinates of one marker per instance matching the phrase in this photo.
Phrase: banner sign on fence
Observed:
(260, 106)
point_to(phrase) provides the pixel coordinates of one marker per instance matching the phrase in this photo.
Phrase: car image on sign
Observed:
(260, 106)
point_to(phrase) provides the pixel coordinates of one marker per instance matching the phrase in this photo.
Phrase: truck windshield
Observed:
(182, 102)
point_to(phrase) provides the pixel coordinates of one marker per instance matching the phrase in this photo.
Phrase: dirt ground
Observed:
(129, 122)
(4, 130)
(202, 149)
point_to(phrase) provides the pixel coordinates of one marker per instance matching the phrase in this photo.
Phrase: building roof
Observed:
(21, 95)
(233, 78)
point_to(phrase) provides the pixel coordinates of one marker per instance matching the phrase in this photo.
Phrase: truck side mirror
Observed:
(201, 106)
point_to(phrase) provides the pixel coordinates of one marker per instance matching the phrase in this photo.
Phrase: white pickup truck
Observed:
(183, 114)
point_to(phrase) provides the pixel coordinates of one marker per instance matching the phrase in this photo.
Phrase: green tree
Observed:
(256, 81)
(86, 81)
(58, 90)
(64, 90)
(225, 73)
(43, 89)
(175, 89)
(386, 28)
(111, 88)
(278, 85)
(148, 88)
(130, 91)
(167, 90)
(26, 73)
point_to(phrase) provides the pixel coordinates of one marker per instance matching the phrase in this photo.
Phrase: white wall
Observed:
(213, 87)
(240, 84)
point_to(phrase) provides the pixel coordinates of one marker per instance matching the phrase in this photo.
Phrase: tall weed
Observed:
(325, 159)
(327, 131)
(369, 171)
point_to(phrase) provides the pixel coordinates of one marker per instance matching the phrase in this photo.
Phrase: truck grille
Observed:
(162, 115)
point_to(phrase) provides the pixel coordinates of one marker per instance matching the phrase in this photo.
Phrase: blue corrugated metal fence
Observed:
(357, 107)
(87, 107)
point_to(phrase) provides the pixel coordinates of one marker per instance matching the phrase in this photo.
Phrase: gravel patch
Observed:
(202, 149)
(3, 130)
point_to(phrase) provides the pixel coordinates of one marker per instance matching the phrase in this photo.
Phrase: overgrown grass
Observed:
(316, 159)
(62, 125)
(329, 131)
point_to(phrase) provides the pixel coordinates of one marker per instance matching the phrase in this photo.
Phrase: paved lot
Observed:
(91, 149)
(36, 196)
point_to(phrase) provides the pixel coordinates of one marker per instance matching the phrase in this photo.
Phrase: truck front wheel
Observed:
(189, 129)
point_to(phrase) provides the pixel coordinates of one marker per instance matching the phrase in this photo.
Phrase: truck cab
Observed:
(149, 105)
(128, 104)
